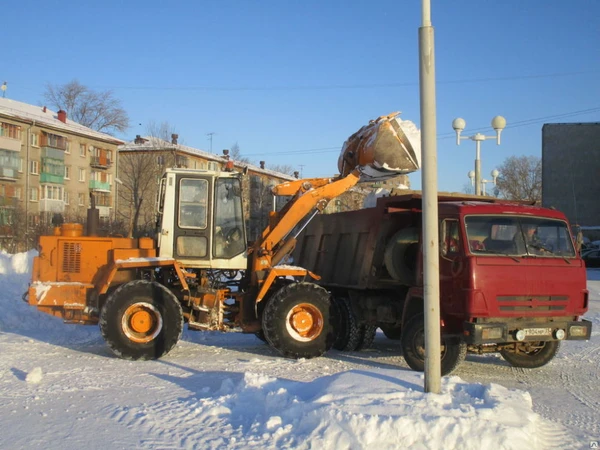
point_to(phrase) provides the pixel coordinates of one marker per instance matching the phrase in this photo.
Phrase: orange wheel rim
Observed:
(305, 322)
(141, 322)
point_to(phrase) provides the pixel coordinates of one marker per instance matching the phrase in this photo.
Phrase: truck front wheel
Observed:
(454, 351)
(141, 320)
(531, 355)
(297, 321)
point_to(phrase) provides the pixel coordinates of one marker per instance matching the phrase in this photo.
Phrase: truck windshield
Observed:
(229, 234)
(518, 236)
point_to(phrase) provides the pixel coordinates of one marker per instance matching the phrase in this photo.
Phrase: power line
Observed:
(343, 86)
(441, 136)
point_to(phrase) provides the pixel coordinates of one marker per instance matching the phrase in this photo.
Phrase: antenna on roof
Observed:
(3, 87)
(210, 135)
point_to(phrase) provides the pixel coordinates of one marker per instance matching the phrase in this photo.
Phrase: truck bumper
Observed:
(504, 332)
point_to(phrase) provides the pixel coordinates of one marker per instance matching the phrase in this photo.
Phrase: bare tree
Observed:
(521, 178)
(236, 155)
(139, 172)
(100, 111)
(282, 168)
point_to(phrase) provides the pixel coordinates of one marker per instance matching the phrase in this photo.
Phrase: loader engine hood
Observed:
(381, 150)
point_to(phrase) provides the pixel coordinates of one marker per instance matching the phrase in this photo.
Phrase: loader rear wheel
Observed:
(297, 321)
(141, 320)
(454, 351)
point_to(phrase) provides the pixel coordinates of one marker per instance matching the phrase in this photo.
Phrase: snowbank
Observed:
(383, 409)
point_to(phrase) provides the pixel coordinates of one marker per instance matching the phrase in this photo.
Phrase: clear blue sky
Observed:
(290, 80)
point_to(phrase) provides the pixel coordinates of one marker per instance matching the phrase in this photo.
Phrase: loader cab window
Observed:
(229, 233)
(193, 196)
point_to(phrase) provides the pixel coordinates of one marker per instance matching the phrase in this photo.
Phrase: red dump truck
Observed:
(503, 287)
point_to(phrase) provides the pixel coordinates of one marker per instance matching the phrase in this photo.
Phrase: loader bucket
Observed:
(380, 150)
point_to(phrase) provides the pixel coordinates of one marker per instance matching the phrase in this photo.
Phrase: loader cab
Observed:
(200, 219)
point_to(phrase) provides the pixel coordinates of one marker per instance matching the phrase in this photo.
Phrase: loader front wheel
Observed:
(141, 320)
(297, 321)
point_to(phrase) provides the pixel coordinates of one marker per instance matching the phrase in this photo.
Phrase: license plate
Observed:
(537, 331)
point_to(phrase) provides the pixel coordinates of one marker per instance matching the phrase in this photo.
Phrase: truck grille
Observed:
(530, 303)
(71, 257)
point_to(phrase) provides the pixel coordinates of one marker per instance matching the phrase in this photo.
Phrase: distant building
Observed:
(571, 170)
(50, 164)
(258, 200)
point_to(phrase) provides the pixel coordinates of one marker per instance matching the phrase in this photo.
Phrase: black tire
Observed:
(297, 321)
(454, 351)
(260, 334)
(141, 320)
(392, 332)
(531, 355)
(347, 331)
(367, 336)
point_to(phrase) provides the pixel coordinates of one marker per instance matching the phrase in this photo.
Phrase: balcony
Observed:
(100, 162)
(53, 206)
(7, 143)
(46, 177)
(9, 174)
(49, 152)
(99, 186)
(53, 140)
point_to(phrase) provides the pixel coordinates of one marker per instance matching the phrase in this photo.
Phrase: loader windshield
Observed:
(518, 236)
(229, 233)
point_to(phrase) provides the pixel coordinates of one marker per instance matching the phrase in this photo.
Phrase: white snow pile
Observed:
(16, 315)
(220, 405)
(382, 409)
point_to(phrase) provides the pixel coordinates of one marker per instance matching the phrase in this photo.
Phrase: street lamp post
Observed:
(494, 173)
(498, 124)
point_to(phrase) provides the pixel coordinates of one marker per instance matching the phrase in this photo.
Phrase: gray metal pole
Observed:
(431, 281)
(477, 166)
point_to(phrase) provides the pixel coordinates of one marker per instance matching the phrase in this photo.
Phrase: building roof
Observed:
(41, 115)
(156, 144)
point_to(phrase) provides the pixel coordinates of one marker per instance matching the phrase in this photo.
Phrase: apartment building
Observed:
(50, 164)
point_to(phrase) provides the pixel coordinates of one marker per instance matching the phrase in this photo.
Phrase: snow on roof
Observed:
(152, 143)
(42, 115)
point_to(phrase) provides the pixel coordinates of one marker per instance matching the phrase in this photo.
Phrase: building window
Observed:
(81, 174)
(34, 167)
(66, 198)
(52, 192)
(9, 130)
(34, 194)
(212, 166)
(67, 172)
(21, 161)
(34, 140)
(82, 150)
(160, 160)
(81, 199)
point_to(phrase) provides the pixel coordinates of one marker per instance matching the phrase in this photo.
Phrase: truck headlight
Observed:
(520, 335)
(577, 330)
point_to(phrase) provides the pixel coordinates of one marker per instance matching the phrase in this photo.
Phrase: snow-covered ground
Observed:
(61, 388)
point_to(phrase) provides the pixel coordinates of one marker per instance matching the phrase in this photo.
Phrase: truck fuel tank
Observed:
(380, 150)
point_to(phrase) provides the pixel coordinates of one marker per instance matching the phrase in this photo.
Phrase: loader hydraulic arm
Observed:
(308, 195)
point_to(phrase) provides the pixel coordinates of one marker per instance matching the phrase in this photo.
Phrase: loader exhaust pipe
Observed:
(93, 218)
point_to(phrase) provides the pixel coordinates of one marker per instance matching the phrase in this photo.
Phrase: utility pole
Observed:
(210, 135)
(301, 169)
